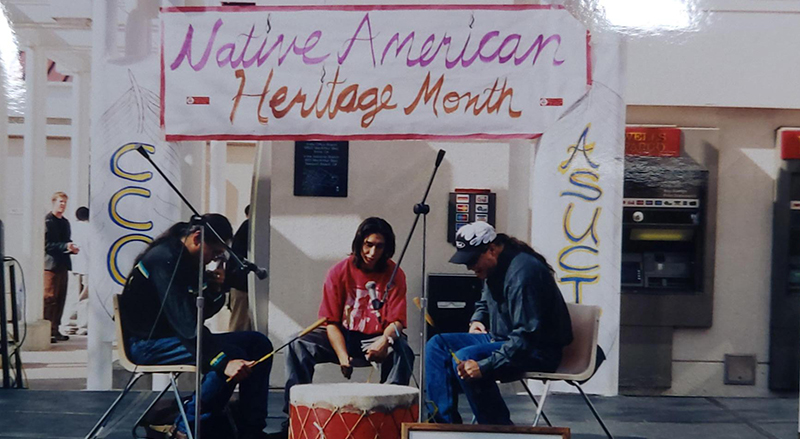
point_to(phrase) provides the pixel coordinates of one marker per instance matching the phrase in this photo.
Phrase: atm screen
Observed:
(662, 234)
(632, 273)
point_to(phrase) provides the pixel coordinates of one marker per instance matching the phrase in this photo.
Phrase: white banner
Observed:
(130, 203)
(577, 203)
(369, 72)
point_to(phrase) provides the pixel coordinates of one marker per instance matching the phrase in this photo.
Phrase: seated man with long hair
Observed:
(355, 330)
(161, 323)
(520, 324)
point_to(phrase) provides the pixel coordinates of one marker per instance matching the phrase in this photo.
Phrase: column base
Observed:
(37, 337)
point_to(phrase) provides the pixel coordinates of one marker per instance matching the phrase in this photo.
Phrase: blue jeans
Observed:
(215, 391)
(443, 384)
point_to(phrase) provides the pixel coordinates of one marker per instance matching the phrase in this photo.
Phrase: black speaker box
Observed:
(451, 301)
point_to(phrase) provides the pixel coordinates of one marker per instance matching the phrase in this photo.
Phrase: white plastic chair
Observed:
(139, 370)
(578, 360)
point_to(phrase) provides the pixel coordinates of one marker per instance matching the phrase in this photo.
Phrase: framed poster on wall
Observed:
(463, 431)
(320, 168)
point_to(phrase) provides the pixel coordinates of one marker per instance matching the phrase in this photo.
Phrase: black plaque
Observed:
(320, 169)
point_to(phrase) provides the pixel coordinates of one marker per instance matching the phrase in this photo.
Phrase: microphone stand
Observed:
(243, 264)
(419, 209)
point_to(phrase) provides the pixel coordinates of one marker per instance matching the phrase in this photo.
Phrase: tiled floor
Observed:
(70, 414)
(54, 407)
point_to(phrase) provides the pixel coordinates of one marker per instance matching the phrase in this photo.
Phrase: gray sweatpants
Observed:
(314, 348)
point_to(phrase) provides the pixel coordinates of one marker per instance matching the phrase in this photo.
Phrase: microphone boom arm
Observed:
(419, 209)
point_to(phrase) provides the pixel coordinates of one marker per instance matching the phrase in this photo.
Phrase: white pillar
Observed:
(4, 186)
(218, 158)
(79, 157)
(217, 203)
(260, 235)
(101, 328)
(36, 201)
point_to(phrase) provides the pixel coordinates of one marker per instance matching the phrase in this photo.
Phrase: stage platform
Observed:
(45, 414)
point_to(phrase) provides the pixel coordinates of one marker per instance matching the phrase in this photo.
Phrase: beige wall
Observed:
(747, 171)
(239, 177)
(386, 179)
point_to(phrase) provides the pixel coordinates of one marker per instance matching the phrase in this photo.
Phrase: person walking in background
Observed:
(58, 247)
(75, 314)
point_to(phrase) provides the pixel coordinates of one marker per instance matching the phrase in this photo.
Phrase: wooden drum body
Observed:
(350, 411)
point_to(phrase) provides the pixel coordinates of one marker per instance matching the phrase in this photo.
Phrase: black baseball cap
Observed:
(471, 241)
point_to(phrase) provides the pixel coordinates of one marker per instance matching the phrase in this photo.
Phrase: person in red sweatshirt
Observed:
(356, 331)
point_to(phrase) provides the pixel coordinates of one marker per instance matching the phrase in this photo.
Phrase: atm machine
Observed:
(667, 270)
(784, 334)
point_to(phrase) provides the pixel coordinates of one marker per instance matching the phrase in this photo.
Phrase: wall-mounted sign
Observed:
(653, 142)
(320, 169)
(789, 143)
(466, 206)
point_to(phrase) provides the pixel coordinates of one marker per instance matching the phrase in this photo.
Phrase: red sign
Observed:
(789, 141)
(653, 142)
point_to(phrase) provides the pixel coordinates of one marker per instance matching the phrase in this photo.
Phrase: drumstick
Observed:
(429, 319)
(313, 326)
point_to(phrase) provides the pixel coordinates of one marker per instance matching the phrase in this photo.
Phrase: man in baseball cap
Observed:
(527, 320)
(471, 241)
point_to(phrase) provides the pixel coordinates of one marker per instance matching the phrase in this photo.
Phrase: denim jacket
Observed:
(522, 305)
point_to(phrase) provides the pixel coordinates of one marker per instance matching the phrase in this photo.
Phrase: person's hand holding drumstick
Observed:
(241, 368)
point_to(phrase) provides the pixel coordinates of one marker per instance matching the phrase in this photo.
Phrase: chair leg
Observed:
(174, 385)
(102, 422)
(232, 421)
(150, 407)
(591, 407)
(541, 403)
(527, 389)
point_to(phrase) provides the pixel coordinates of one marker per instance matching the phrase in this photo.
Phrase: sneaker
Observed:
(174, 433)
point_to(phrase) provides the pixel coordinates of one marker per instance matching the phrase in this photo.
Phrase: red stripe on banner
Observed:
(479, 136)
(551, 102)
(198, 100)
(588, 58)
(185, 9)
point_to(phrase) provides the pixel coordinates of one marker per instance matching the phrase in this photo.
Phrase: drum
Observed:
(350, 410)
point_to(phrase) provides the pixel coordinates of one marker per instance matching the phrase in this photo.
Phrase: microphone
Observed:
(142, 151)
(440, 157)
(260, 273)
(377, 304)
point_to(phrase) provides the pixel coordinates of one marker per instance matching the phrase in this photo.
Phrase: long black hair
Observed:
(368, 227)
(181, 230)
(510, 242)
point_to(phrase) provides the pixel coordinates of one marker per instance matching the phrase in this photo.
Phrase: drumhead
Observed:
(360, 396)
